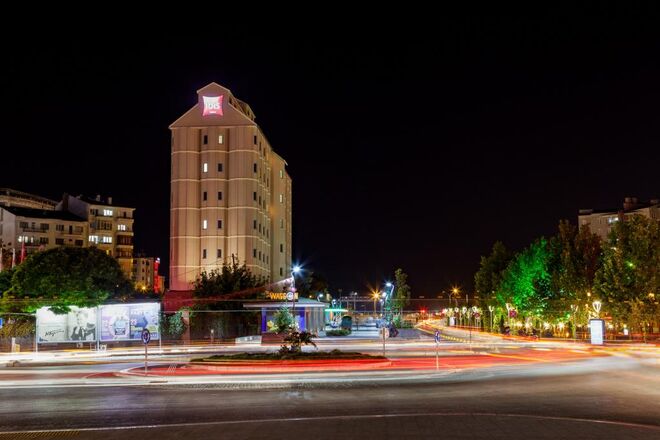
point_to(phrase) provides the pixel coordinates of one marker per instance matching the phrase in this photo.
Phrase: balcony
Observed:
(39, 230)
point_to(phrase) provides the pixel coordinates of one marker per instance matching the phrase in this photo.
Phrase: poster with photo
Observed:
(144, 316)
(115, 323)
(76, 326)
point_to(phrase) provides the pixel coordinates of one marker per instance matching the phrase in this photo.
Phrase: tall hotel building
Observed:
(230, 193)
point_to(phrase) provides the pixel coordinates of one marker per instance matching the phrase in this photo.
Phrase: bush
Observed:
(338, 332)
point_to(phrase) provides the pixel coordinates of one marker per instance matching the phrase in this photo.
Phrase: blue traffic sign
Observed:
(146, 336)
(437, 336)
(1, 322)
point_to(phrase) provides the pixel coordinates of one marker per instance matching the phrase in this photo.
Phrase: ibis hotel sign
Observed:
(280, 296)
(212, 105)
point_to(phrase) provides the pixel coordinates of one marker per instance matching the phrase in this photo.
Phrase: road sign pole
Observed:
(146, 337)
(383, 329)
(145, 359)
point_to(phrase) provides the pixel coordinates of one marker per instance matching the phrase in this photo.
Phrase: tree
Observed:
(283, 320)
(229, 278)
(64, 277)
(312, 284)
(294, 341)
(401, 290)
(628, 281)
(489, 277)
(526, 281)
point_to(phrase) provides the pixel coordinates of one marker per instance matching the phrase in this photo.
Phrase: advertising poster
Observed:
(144, 316)
(597, 328)
(115, 323)
(77, 325)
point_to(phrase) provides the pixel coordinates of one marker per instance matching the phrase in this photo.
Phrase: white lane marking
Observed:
(342, 417)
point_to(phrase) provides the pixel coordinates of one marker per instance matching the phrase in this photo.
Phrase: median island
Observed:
(278, 356)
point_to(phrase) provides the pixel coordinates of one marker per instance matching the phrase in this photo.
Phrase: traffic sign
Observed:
(146, 336)
(1, 322)
(437, 336)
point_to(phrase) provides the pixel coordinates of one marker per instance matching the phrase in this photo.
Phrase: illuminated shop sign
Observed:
(212, 105)
(279, 296)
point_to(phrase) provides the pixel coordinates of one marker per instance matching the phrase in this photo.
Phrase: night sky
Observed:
(415, 149)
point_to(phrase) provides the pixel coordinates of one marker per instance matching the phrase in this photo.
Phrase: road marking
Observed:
(325, 418)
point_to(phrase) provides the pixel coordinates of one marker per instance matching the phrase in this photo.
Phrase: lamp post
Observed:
(294, 271)
(574, 309)
(375, 295)
(491, 309)
(508, 314)
(597, 305)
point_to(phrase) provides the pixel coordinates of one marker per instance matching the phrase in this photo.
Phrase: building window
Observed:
(121, 227)
(94, 239)
(107, 212)
(281, 198)
(23, 225)
(105, 239)
(59, 241)
(79, 243)
(204, 254)
(254, 224)
(219, 195)
(219, 224)
(205, 224)
(259, 227)
(206, 139)
(43, 240)
(255, 139)
(254, 195)
(78, 230)
(204, 196)
(281, 223)
(219, 253)
(281, 271)
(45, 226)
(205, 167)
(254, 167)
(220, 139)
(259, 200)
(254, 253)
(281, 174)
(281, 247)
(219, 167)
(59, 228)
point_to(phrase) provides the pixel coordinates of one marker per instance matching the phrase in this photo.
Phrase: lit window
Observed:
(281, 174)
(94, 239)
(205, 167)
(611, 220)
(105, 239)
(121, 227)
(205, 224)
(281, 198)
(220, 139)
(107, 212)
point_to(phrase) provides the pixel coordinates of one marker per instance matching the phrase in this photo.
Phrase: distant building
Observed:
(600, 221)
(40, 229)
(145, 274)
(12, 197)
(110, 226)
(230, 193)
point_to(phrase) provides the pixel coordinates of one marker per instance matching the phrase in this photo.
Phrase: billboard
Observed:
(125, 322)
(117, 322)
(77, 325)
(597, 329)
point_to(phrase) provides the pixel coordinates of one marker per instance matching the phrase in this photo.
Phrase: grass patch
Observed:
(316, 355)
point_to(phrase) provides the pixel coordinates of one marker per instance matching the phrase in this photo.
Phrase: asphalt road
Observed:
(604, 398)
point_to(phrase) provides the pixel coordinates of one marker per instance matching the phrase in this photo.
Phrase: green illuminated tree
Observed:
(401, 290)
(283, 320)
(526, 281)
(628, 280)
(63, 277)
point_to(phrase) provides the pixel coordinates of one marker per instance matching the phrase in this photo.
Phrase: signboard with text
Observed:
(77, 325)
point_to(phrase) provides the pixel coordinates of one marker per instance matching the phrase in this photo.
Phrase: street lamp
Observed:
(491, 309)
(375, 295)
(294, 271)
(596, 305)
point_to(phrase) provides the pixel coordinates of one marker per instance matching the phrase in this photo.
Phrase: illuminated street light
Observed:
(597, 305)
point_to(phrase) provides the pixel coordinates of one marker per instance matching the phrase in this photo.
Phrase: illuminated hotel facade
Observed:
(230, 193)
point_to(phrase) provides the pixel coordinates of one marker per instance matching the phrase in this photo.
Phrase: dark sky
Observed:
(408, 148)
